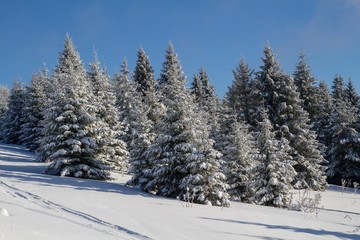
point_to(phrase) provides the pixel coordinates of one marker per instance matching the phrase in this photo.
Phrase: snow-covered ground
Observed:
(37, 206)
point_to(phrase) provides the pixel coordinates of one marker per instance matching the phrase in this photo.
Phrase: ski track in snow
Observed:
(69, 214)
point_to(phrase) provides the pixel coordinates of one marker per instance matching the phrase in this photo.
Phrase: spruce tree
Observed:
(322, 119)
(338, 88)
(11, 128)
(204, 92)
(344, 150)
(281, 99)
(351, 95)
(133, 115)
(238, 95)
(144, 74)
(70, 121)
(33, 115)
(274, 172)
(110, 147)
(197, 89)
(185, 163)
(146, 85)
(236, 144)
(125, 93)
(4, 101)
(239, 154)
(222, 135)
(306, 86)
(295, 127)
(255, 104)
(205, 97)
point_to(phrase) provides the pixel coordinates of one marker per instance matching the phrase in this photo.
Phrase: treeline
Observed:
(272, 132)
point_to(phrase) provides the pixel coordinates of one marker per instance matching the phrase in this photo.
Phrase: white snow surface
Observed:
(43, 207)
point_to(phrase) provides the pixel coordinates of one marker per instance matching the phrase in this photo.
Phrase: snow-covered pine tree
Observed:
(338, 88)
(205, 97)
(262, 89)
(306, 86)
(204, 92)
(11, 128)
(256, 103)
(144, 74)
(185, 163)
(70, 119)
(239, 154)
(351, 95)
(133, 115)
(197, 89)
(344, 150)
(289, 119)
(322, 118)
(234, 141)
(228, 117)
(204, 179)
(33, 114)
(274, 171)
(125, 92)
(141, 139)
(146, 85)
(238, 95)
(4, 101)
(295, 127)
(108, 133)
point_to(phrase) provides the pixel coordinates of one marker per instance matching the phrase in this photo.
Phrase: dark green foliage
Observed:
(11, 127)
(238, 95)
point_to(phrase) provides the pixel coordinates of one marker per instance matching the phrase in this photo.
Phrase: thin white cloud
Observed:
(332, 27)
(353, 3)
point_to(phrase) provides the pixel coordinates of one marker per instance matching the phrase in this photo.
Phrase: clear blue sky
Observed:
(213, 34)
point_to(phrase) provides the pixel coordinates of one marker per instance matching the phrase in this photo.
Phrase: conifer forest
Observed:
(272, 132)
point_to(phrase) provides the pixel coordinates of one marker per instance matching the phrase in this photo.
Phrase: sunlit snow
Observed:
(42, 207)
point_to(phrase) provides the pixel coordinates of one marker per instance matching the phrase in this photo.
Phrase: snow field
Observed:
(50, 207)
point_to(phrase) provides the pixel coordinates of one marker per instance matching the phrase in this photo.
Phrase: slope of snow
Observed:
(43, 207)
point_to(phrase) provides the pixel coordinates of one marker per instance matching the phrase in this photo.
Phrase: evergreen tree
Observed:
(344, 150)
(237, 145)
(294, 125)
(274, 172)
(197, 89)
(69, 141)
(263, 89)
(351, 95)
(222, 135)
(145, 84)
(281, 99)
(204, 92)
(240, 158)
(205, 97)
(111, 148)
(256, 103)
(133, 115)
(33, 114)
(185, 162)
(144, 74)
(170, 68)
(306, 86)
(4, 101)
(322, 119)
(126, 96)
(338, 88)
(11, 129)
(238, 95)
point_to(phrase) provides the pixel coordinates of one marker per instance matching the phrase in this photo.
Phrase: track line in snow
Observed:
(95, 223)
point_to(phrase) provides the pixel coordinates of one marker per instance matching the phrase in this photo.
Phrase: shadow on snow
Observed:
(317, 232)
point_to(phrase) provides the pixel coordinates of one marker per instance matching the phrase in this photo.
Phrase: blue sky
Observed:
(213, 34)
